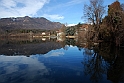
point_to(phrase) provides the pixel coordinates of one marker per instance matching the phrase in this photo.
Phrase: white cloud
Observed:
(14, 8)
(54, 54)
(11, 66)
(73, 2)
(57, 53)
(53, 17)
(71, 24)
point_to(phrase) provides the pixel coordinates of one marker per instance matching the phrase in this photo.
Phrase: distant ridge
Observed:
(28, 23)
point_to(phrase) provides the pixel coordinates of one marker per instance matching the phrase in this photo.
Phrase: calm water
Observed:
(57, 62)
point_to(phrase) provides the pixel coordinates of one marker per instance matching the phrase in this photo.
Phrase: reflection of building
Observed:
(60, 39)
(43, 39)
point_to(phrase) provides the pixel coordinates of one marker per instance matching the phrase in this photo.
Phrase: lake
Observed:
(52, 61)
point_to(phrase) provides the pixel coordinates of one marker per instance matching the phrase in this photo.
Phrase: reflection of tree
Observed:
(94, 66)
(88, 52)
(116, 70)
(66, 47)
(108, 51)
(80, 48)
(108, 60)
(115, 58)
(70, 41)
(25, 47)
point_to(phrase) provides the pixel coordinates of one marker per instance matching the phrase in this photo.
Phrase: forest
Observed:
(111, 27)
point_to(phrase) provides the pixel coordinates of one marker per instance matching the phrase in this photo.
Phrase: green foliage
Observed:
(70, 41)
(79, 25)
(70, 31)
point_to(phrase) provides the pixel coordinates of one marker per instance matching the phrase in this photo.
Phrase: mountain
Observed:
(28, 23)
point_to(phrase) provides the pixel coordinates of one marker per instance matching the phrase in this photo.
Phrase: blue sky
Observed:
(64, 11)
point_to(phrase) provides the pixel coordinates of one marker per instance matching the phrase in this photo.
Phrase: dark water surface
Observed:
(57, 62)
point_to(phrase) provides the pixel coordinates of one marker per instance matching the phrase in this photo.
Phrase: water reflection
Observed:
(27, 47)
(95, 66)
(106, 60)
(53, 61)
(21, 69)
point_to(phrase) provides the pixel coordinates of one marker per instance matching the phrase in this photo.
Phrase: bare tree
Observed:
(122, 6)
(94, 12)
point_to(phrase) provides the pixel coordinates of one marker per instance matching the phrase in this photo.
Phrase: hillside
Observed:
(28, 23)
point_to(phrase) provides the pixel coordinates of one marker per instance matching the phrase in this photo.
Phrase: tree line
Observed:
(111, 27)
